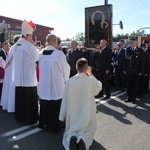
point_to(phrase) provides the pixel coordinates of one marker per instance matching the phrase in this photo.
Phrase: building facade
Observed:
(10, 27)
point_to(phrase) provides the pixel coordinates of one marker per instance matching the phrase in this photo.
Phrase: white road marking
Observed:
(35, 130)
(16, 130)
(23, 135)
(147, 104)
(116, 92)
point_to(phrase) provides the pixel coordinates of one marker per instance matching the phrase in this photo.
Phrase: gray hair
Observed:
(74, 41)
(50, 37)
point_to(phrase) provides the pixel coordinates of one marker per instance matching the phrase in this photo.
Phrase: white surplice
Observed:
(78, 108)
(25, 57)
(8, 91)
(54, 72)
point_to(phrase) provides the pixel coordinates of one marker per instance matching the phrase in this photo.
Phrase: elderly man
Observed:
(78, 108)
(54, 72)
(25, 57)
(102, 63)
(73, 55)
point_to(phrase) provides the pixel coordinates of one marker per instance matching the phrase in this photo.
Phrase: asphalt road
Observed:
(120, 126)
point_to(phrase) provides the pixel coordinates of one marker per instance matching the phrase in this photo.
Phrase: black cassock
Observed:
(26, 105)
(49, 112)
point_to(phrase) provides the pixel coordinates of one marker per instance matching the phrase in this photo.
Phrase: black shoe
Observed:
(73, 144)
(42, 126)
(107, 97)
(81, 145)
(99, 96)
(128, 101)
(133, 102)
(140, 96)
(118, 89)
(122, 90)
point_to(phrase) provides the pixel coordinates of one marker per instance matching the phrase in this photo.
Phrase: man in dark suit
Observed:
(102, 63)
(135, 65)
(73, 55)
(96, 52)
(88, 54)
(119, 65)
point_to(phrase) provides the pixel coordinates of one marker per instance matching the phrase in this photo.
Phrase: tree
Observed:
(68, 39)
(141, 33)
(80, 36)
(134, 34)
(138, 33)
(118, 37)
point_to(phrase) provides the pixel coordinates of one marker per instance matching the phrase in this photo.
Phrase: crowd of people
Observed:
(125, 67)
(59, 82)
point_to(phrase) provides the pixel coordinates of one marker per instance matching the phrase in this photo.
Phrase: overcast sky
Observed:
(67, 16)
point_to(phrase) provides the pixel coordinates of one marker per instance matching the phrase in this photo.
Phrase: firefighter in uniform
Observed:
(145, 46)
(135, 65)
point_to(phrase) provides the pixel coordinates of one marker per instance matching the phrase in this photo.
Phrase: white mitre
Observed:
(27, 27)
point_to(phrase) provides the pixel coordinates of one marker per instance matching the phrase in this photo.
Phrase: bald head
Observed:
(119, 45)
(103, 43)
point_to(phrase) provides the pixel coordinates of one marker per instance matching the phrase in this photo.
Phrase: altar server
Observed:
(78, 108)
(54, 72)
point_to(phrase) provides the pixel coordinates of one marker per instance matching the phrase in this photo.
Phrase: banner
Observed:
(98, 25)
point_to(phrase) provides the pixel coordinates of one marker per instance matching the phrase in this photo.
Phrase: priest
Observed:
(25, 58)
(78, 108)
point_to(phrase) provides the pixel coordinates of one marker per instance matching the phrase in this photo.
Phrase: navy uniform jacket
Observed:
(119, 59)
(147, 61)
(135, 61)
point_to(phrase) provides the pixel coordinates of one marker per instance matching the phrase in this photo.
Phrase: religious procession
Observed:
(49, 86)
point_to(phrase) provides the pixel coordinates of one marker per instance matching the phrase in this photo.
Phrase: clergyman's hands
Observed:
(107, 71)
(89, 71)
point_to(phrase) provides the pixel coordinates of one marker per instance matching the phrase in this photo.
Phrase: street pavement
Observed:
(120, 126)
